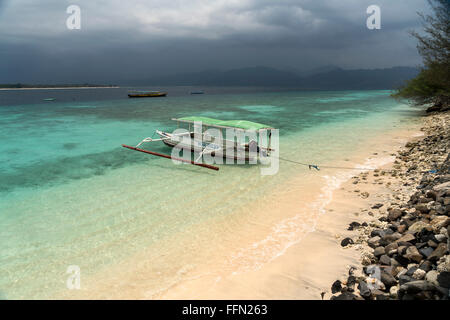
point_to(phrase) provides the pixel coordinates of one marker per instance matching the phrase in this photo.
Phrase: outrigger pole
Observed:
(173, 158)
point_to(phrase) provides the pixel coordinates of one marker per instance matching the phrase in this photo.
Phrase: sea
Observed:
(71, 198)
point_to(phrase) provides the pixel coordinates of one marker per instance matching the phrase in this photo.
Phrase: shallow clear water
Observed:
(70, 195)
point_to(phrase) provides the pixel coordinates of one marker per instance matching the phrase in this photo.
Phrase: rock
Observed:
(374, 242)
(377, 206)
(413, 254)
(353, 225)
(388, 280)
(444, 279)
(379, 251)
(418, 226)
(345, 242)
(444, 266)
(419, 274)
(411, 269)
(442, 187)
(336, 287)
(431, 277)
(405, 279)
(394, 214)
(364, 290)
(407, 238)
(391, 248)
(393, 292)
(426, 252)
(385, 260)
(440, 237)
(431, 194)
(401, 228)
(426, 265)
(364, 195)
(351, 281)
(440, 222)
(401, 260)
(438, 252)
(414, 287)
(422, 207)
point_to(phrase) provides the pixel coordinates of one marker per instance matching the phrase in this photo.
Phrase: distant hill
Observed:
(389, 78)
(325, 78)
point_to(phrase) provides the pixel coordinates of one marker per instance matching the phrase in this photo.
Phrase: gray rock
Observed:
(405, 279)
(415, 287)
(379, 251)
(385, 260)
(426, 252)
(364, 290)
(388, 280)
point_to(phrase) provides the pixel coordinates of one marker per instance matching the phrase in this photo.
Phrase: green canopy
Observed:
(241, 124)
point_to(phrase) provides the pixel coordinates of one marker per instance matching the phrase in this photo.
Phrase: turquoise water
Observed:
(70, 195)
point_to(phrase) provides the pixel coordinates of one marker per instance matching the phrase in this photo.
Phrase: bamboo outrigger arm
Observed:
(204, 165)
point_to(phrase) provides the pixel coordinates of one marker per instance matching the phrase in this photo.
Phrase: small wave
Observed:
(291, 231)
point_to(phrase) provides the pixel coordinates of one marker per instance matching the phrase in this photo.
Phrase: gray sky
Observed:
(138, 39)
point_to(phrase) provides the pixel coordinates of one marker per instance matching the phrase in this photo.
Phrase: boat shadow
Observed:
(185, 167)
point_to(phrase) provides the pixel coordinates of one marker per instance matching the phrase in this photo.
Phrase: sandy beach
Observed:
(305, 268)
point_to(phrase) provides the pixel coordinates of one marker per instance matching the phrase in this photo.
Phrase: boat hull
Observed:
(244, 155)
(147, 95)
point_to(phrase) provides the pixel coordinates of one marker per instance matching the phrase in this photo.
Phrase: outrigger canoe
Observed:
(146, 94)
(205, 144)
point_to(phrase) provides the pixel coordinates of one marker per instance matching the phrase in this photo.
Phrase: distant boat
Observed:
(197, 92)
(146, 94)
(49, 99)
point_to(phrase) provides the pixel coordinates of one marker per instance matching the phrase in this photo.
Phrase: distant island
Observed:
(325, 78)
(54, 86)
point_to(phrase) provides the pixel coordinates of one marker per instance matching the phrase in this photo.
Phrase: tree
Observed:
(433, 81)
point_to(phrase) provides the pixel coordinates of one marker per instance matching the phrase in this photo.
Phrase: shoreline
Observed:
(403, 239)
(308, 267)
(297, 272)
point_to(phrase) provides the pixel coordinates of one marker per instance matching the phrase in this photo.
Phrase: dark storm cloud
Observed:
(124, 40)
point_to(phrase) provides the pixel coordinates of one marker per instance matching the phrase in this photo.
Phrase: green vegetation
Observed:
(432, 84)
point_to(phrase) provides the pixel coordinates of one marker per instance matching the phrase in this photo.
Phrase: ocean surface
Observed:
(70, 195)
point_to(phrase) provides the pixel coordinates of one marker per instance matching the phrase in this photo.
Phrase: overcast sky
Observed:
(138, 39)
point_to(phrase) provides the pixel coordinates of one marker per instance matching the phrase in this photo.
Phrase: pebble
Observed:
(409, 240)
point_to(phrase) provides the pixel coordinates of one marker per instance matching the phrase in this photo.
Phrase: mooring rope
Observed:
(317, 167)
